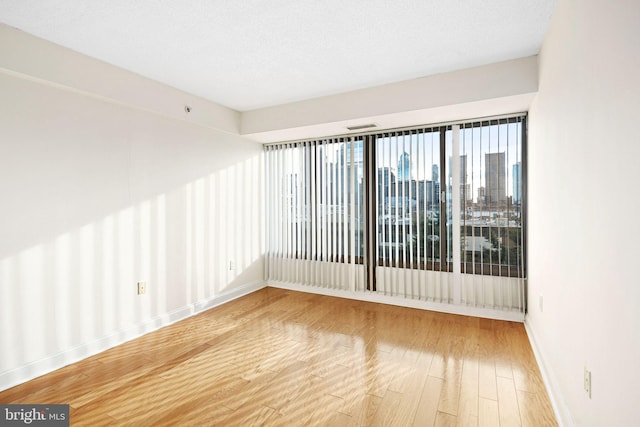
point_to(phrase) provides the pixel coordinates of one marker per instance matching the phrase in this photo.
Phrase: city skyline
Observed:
(416, 157)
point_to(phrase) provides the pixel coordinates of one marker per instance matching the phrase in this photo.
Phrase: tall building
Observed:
(517, 183)
(463, 169)
(435, 186)
(481, 195)
(386, 182)
(404, 167)
(346, 166)
(495, 179)
(465, 185)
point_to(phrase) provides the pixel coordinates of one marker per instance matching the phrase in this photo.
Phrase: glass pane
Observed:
(408, 189)
(490, 197)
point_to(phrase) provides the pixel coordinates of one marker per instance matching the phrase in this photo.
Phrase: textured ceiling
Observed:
(248, 54)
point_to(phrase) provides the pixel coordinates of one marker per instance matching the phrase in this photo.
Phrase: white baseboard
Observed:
(41, 367)
(228, 296)
(404, 302)
(563, 415)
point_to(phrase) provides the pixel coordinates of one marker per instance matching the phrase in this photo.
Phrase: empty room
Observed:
(410, 213)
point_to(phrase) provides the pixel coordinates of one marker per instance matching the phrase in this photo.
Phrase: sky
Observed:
(424, 151)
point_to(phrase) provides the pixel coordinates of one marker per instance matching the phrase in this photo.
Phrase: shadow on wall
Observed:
(69, 159)
(82, 285)
(97, 197)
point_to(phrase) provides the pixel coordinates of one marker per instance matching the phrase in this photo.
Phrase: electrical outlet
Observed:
(142, 288)
(587, 382)
(540, 303)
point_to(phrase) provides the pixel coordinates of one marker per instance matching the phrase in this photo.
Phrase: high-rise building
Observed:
(517, 183)
(404, 167)
(435, 173)
(465, 185)
(495, 179)
(346, 166)
(463, 169)
(386, 182)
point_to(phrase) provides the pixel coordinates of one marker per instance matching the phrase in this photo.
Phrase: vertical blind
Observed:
(413, 241)
(315, 213)
(432, 213)
(492, 205)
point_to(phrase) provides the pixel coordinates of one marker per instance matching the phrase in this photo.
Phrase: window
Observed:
(409, 216)
(491, 197)
(315, 209)
(355, 211)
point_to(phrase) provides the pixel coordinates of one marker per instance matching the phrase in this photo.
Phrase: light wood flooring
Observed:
(278, 357)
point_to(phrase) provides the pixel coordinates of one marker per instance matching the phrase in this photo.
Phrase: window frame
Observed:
(369, 203)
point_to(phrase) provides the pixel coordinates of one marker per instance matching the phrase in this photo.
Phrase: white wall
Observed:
(584, 172)
(97, 194)
(500, 88)
(37, 59)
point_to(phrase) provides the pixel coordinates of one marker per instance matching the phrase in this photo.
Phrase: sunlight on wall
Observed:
(158, 273)
(82, 285)
(113, 195)
(223, 233)
(87, 270)
(62, 284)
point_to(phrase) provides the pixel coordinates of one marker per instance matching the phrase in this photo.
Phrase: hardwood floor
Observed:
(278, 357)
